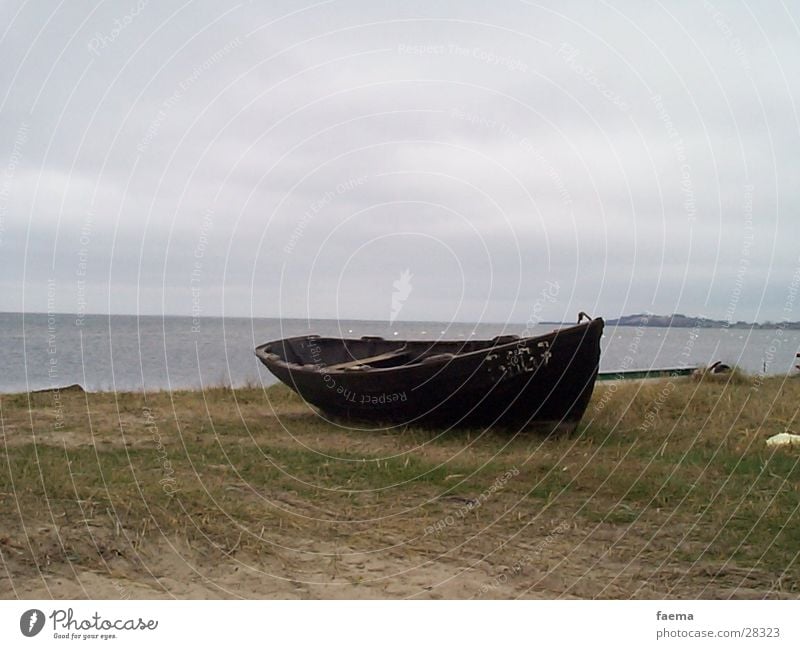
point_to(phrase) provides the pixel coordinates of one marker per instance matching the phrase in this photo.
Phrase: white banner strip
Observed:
(404, 624)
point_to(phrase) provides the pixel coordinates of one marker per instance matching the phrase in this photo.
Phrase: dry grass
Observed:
(668, 484)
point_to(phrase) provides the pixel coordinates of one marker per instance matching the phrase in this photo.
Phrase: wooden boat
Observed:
(641, 375)
(664, 373)
(542, 381)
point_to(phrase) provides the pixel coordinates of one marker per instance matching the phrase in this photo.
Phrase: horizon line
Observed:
(260, 317)
(467, 322)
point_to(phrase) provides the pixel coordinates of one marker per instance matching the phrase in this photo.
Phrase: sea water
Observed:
(124, 353)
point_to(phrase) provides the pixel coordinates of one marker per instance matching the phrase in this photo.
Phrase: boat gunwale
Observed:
(319, 369)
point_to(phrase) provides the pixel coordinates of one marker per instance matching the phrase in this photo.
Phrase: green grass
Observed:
(687, 459)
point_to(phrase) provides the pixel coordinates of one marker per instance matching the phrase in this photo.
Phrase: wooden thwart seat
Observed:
(366, 361)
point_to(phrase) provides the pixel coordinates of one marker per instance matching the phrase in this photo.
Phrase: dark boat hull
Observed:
(542, 381)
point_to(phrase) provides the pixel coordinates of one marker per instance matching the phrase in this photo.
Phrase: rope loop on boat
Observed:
(582, 315)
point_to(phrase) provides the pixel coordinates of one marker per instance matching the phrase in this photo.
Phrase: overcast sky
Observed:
(297, 158)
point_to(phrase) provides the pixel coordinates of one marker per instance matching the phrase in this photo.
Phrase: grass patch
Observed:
(224, 467)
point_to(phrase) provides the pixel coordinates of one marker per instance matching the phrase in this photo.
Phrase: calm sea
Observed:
(152, 352)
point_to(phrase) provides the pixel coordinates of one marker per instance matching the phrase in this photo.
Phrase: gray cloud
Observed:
(296, 159)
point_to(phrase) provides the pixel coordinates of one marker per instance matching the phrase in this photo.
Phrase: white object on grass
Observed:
(783, 439)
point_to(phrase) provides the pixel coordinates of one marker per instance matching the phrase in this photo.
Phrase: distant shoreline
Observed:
(691, 322)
